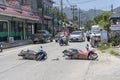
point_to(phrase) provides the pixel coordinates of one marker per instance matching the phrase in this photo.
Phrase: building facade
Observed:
(44, 9)
(21, 18)
(115, 19)
(17, 20)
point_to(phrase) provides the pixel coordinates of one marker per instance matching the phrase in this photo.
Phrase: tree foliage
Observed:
(103, 19)
(60, 15)
(89, 24)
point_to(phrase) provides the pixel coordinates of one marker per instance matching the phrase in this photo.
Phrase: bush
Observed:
(103, 47)
(115, 41)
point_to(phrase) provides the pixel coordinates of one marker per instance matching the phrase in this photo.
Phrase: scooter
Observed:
(74, 53)
(1, 48)
(95, 41)
(63, 41)
(31, 54)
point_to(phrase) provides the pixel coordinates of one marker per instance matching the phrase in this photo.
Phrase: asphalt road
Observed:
(13, 67)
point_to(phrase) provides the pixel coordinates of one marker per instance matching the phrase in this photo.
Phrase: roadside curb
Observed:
(16, 44)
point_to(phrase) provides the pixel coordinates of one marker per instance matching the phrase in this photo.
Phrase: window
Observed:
(3, 26)
(24, 1)
(18, 7)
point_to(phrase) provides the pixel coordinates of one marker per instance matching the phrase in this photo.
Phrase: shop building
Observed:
(45, 11)
(21, 18)
(17, 21)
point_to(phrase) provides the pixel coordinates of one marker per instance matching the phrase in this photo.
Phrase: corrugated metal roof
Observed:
(115, 16)
(10, 11)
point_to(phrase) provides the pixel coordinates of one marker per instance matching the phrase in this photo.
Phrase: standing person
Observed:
(88, 35)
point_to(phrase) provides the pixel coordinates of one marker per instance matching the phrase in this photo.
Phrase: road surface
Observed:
(13, 67)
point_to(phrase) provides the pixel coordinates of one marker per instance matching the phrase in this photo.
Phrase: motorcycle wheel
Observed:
(67, 53)
(38, 57)
(60, 44)
(45, 57)
(92, 56)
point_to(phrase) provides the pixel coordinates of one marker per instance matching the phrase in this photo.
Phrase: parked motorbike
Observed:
(1, 48)
(63, 41)
(31, 54)
(95, 41)
(74, 53)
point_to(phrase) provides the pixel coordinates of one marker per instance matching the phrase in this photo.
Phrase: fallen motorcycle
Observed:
(31, 54)
(74, 53)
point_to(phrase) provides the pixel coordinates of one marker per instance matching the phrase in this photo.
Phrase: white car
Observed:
(77, 36)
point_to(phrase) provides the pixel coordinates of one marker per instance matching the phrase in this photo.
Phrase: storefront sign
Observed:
(115, 27)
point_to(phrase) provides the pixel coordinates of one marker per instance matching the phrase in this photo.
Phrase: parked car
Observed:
(42, 36)
(77, 36)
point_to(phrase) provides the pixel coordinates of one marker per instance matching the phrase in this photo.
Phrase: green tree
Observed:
(103, 19)
(89, 24)
(59, 14)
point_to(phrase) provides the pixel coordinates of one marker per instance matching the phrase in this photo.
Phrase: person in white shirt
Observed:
(88, 35)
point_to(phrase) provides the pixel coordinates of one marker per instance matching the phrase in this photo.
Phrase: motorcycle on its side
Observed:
(74, 53)
(31, 54)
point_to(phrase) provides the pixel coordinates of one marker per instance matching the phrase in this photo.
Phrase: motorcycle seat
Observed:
(31, 52)
(73, 49)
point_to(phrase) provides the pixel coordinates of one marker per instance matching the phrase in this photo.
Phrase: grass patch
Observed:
(101, 48)
(105, 48)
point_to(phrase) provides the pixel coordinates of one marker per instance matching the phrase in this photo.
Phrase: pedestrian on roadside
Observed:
(88, 35)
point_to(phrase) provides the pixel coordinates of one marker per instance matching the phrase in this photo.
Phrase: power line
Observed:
(84, 2)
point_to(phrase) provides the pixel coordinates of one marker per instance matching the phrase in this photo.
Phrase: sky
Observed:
(90, 4)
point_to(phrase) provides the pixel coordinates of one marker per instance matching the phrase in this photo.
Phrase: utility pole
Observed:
(79, 18)
(42, 26)
(112, 8)
(95, 11)
(61, 6)
(62, 13)
(54, 19)
(53, 22)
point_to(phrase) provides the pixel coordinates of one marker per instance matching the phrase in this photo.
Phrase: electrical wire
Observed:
(84, 2)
